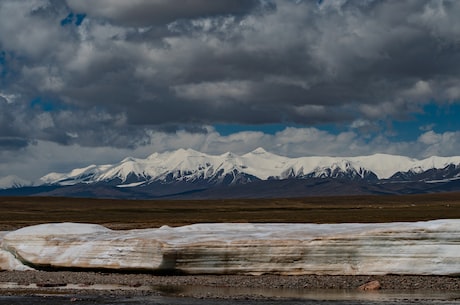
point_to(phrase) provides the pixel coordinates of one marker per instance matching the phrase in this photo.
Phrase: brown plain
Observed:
(17, 212)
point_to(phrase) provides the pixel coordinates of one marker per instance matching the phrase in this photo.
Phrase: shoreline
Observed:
(27, 283)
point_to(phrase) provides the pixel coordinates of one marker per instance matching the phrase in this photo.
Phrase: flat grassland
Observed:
(17, 212)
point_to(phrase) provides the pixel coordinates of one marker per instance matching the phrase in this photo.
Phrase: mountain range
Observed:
(186, 173)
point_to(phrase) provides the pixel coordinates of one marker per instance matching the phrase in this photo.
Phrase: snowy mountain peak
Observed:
(128, 159)
(12, 181)
(182, 154)
(259, 151)
(188, 165)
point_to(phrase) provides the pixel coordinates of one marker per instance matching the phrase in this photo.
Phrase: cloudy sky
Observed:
(89, 82)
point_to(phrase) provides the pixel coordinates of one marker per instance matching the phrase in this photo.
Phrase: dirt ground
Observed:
(17, 212)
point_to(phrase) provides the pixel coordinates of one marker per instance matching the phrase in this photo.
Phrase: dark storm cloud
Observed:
(10, 143)
(157, 12)
(127, 67)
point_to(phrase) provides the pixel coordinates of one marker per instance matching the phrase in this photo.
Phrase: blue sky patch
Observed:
(2, 58)
(228, 129)
(439, 118)
(72, 18)
(79, 19)
(2, 64)
(46, 105)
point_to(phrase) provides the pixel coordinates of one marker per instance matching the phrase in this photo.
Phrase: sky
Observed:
(91, 82)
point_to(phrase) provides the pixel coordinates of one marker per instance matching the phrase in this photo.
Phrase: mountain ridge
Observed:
(187, 173)
(189, 165)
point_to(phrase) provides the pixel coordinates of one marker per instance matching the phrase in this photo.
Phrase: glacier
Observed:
(417, 248)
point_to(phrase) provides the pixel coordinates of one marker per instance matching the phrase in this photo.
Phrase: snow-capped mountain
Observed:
(12, 181)
(186, 173)
(193, 166)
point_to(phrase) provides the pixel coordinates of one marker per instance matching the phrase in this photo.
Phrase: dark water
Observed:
(55, 300)
(233, 296)
(187, 301)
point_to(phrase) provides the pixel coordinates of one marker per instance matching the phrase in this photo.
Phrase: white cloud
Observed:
(420, 90)
(152, 12)
(427, 127)
(46, 78)
(215, 92)
(430, 138)
(439, 144)
(135, 66)
(44, 120)
(452, 89)
(33, 35)
(43, 157)
(311, 110)
(360, 123)
(8, 98)
(297, 61)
